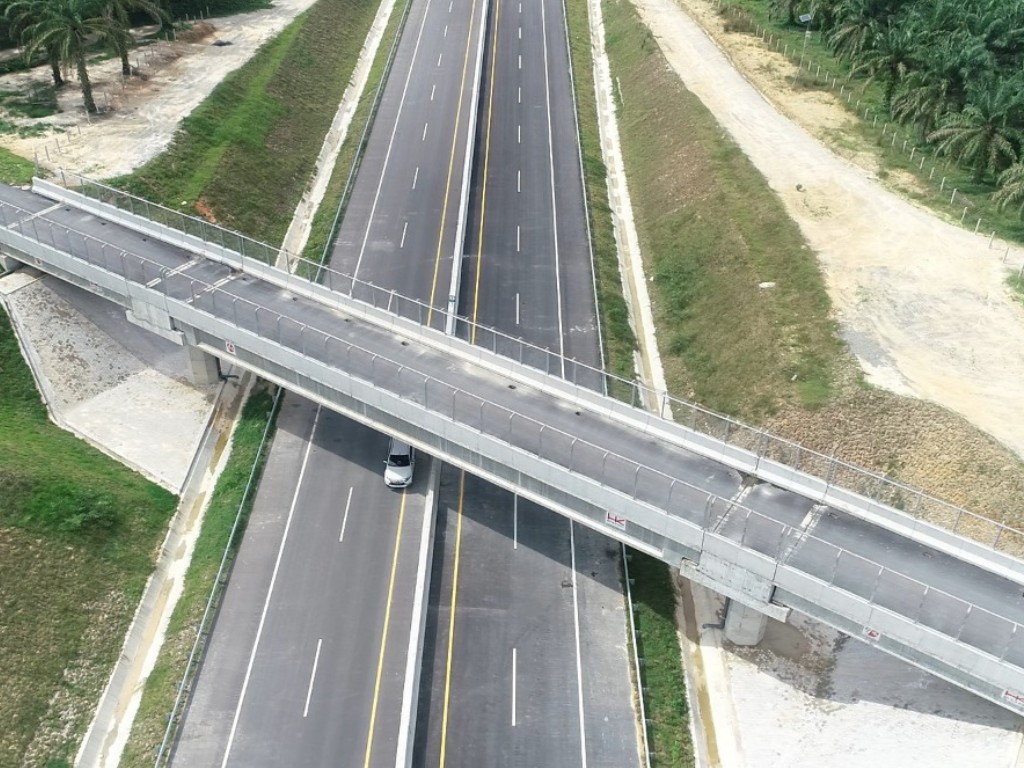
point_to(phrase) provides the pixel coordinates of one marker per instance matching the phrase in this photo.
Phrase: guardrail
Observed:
(961, 636)
(745, 448)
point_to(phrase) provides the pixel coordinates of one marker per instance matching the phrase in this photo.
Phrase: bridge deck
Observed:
(662, 490)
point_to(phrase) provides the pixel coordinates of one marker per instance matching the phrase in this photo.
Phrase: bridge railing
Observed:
(763, 453)
(770, 542)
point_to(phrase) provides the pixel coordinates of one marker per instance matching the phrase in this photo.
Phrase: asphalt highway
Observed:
(325, 621)
(309, 647)
(525, 654)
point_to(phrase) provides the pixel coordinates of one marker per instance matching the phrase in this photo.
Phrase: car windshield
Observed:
(399, 460)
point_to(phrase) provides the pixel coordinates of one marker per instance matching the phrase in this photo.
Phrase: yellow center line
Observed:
(487, 162)
(462, 475)
(451, 622)
(384, 634)
(451, 165)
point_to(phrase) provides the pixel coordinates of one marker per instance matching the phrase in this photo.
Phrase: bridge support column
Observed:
(202, 367)
(8, 263)
(744, 625)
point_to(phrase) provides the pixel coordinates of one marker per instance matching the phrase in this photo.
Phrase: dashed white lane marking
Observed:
(450, 6)
(520, 61)
(415, 175)
(517, 323)
(517, 238)
(432, 89)
(312, 676)
(519, 134)
(405, 228)
(520, 96)
(513, 687)
(344, 519)
(446, 30)
(519, 181)
(424, 138)
(439, 56)
(515, 497)
(520, 33)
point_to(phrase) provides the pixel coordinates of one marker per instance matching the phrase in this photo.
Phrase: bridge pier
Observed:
(743, 624)
(203, 368)
(8, 263)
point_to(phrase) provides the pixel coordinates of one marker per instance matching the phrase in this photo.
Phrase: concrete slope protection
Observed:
(525, 659)
(952, 614)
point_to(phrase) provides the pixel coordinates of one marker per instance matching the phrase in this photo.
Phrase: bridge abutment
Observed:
(744, 625)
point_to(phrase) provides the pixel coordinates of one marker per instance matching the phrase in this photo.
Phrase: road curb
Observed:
(417, 627)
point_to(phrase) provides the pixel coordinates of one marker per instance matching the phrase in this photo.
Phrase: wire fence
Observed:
(763, 445)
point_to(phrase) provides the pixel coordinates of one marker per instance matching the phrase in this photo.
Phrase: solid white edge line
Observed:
(554, 202)
(579, 655)
(417, 624)
(270, 591)
(513, 687)
(312, 676)
(344, 519)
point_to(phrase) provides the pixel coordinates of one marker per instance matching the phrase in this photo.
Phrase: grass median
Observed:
(78, 536)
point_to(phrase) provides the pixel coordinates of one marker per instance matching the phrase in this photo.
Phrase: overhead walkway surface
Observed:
(771, 525)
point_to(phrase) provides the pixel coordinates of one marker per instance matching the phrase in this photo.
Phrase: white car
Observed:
(399, 465)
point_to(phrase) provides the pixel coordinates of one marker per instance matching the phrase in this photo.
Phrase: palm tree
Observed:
(67, 27)
(922, 100)
(889, 57)
(787, 8)
(986, 135)
(858, 22)
(120, 12)
(20, 15)
(1011, 187)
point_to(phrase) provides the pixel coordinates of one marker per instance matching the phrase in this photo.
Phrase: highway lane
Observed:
(310, 639)
(326, 668)
(398, 230)
(526, 646)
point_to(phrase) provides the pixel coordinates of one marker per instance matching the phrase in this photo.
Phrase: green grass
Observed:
(39, 101)
(618, 338)
(246, 154)
(669, 731)
(1016, 285)
(162, 685)
(320, 232)
(712, 232)
(15, 170)
(78, 535)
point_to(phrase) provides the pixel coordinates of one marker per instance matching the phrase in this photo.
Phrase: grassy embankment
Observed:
(245, 155)
(866, 130)
(769, 348)
(78, 534)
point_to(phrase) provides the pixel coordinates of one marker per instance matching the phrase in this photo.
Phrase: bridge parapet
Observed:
(545, 439)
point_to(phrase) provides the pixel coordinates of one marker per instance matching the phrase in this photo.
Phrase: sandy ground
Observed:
(140, 116)
(921, 303)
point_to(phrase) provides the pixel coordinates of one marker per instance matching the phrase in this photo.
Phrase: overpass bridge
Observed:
(769, 524)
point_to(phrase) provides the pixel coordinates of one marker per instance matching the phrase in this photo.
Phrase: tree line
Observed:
(952, 69)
